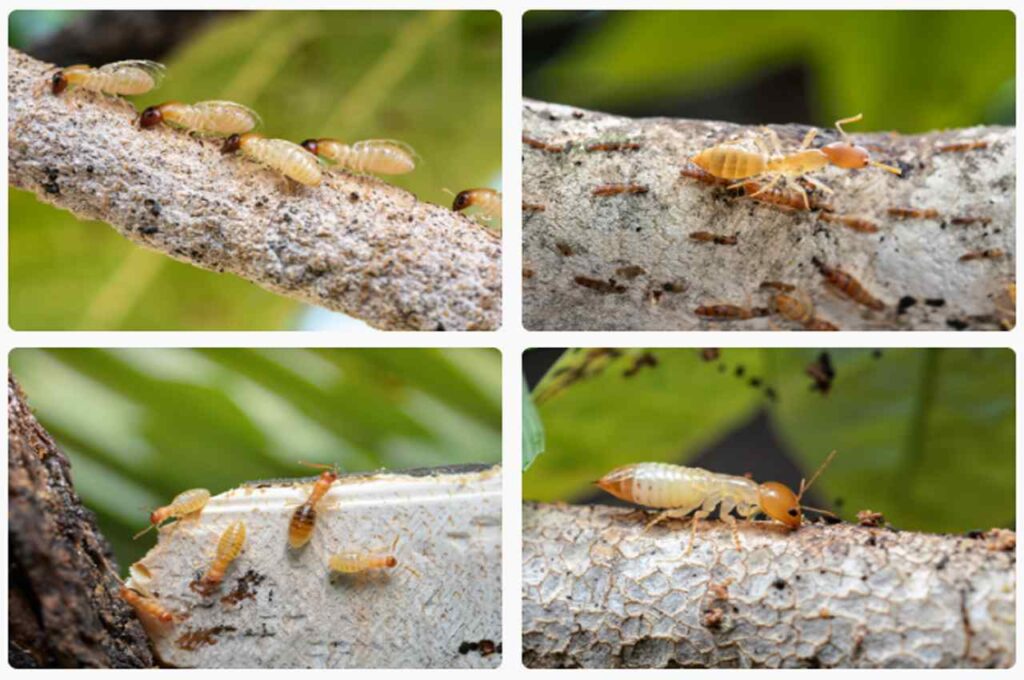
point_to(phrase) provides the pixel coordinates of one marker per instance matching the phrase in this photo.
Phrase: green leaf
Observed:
(605, 408)
(533, 430)
(431, 79)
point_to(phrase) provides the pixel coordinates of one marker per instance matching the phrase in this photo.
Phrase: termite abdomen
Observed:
(300, 528)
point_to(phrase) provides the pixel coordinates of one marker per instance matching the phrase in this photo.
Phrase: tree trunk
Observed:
(63, 604)
(622, 232)
(353, 244)
(598, 592)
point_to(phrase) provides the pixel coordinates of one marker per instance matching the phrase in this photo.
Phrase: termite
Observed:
(800, 309)
(145, 606)
(616, 189)
(679, 491)
(732, 162)
(730, 312)
(358, 562)
(542, 146)
(230, 545)
(373, 156)
(914, 213)
(987, 254)
(855, 222)
(217, 118)
(487, 200)
(185, 503)
(613, 146)
(718, 239)
(290, 159)
(777, 285)
(300, 528)
(847, 285)
(122, 77)
(961, 146)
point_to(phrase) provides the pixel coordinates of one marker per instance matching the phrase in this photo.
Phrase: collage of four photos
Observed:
(281, 360)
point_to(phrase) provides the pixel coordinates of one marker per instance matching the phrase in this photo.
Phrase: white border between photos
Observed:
(512, 339)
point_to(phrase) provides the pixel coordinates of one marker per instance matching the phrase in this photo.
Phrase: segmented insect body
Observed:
(185, 503)
(300, 528)
(989, 254)
(119, 78)
(354, 562)
(848, 286)
(217, 118)
(230, 545)
(683, 490)
(726, 311)
(146, 607)
(375, 156)
(290, 159)
(487, 200)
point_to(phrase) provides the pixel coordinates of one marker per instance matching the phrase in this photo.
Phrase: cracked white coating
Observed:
(646, 272)
(280, 608)
(353, 244)
(600, 593)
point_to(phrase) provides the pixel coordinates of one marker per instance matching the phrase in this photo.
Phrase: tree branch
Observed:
(627, 261)
(599, 592)
(440, 607)
(353, 244)
(63, 603)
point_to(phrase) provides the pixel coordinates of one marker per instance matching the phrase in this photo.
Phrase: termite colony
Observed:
(231, 543)
(785, 180)
(305, 163)
(679, 491)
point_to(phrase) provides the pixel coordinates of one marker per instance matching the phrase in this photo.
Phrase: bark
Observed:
(598, 593)
(353, 244)
(63, 603)
(627, 261)
(440, 607)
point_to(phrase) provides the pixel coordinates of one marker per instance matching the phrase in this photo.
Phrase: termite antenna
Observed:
(320, 466)
(843, 121)
(819, 510)
(805, 485)
(887, 168)
(143, 532)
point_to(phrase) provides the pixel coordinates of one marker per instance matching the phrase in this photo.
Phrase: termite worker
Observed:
(230, 545)
(300, 528)
(844, 283)
(729, 312)
(185, 503)
(146, 607)
(679, 491)
(216, 118)
(119, 78)
(359, 562)
(732, 162)
(373, 156)
(799, 308)
(487, 200)
(290, 159)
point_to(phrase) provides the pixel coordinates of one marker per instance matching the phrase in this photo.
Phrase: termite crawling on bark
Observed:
(717, 239)
(130, 77)
(487, 200)
(679, 491)
(727, 312)
(300, 527)
(961, 146)
(732, 162)
(855, 222)
(215, 118)
(616, 189)
(185, 503)
(229, 546)
(844, 283)
(373, 156)
(987, 254)
(543, 146)
(361, 561)
(914, 213)
(287, 158)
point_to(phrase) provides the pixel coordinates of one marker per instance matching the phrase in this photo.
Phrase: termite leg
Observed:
(819, 185)
(774, 137)
(697, 517)
(731, 521)
(809, 137)
(671, 513)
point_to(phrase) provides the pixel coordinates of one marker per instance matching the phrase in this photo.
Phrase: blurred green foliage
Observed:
(141, 425)
(905, 70)
(431, 79)
(925, 436)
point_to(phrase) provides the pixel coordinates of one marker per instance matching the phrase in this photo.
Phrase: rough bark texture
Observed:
(63, 604)
(600, 593)
(440, 607)
(353, 244)
(627, 261)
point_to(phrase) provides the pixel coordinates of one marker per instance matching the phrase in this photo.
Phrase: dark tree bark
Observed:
(63, 603)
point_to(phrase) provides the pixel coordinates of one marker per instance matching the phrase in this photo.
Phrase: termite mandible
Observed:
(680, 490)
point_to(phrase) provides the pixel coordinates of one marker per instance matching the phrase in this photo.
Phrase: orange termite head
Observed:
(151, 116)
(846, 155)
(463, 200)
(232, 144)
(390, 561)
(59, 82)
(780, 503)
(312, 146)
